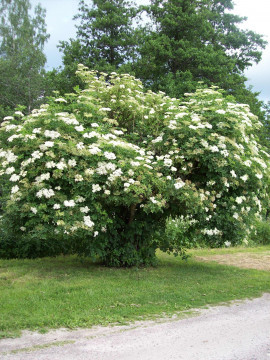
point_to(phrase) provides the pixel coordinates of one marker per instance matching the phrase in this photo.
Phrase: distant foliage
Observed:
(22, 59)
(99, 171)
(260, 234)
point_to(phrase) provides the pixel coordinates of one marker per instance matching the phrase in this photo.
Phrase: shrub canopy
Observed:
(99, 171)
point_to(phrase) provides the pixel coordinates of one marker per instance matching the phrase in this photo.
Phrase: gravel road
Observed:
(240, 331)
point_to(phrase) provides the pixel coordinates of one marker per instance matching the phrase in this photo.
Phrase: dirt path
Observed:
(259, 261)
(237, 332)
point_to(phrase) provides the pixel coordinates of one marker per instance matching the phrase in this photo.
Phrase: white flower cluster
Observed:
(88, 222)
(69, 203)
(179, 183)
(211, 232)
(47, 193)
(46, 145)
(52, 134)
(43, 177)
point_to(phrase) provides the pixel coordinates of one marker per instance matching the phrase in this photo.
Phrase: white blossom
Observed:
(50, 164)
(46, 145)
(43, 177)
(14, 178)
(179, 184)
(10, 157)
(220, 111)
(72, 162)
(80, 146)
(79, 128)
(105, 109)
(84, 209)
(15, 136)
(211, 232)
(36, 131)
(158, 139)
(69, 203)
(96, 188)
(94, 150)
(37, 154)
(244, 177)
(91, 134)
(80, 199)
(239, 200)
(52, 134)
(168, 162)
(78, 178)
(15, 189)
(88, 222)
(118, 132)
(19, 113)
(60, 100)
(9, 170)
(47, 193)
(109, 155)
(214, 148)
(247, 163)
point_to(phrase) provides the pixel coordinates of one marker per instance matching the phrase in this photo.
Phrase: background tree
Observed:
(22, 60)
(265, 130)
(106, 40)
(183, 42)
(199, 40)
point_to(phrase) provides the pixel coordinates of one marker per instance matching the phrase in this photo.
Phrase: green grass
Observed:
(231, 250)
(65, 292)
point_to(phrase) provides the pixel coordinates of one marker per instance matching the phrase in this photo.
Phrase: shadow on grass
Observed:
(68, 292)
(62, 267)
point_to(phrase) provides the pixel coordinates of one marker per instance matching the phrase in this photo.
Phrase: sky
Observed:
(61, 26)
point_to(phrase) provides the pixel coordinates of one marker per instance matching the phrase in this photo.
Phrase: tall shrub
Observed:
(99, 171)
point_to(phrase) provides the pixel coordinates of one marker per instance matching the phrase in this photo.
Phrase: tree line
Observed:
(172, 46)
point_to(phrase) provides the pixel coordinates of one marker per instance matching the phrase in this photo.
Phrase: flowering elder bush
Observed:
(221, 155)
(99, 171)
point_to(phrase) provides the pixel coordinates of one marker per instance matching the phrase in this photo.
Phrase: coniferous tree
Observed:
(197, 40)
(183, 43)
(106, 40)
(22, 60)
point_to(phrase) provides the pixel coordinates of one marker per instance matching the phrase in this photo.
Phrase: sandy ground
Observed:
(240, 331)
(257, 261)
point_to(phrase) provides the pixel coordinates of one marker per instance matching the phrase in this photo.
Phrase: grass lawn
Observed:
(66, 292)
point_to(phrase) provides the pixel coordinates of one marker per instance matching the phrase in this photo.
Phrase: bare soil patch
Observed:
(259, 261)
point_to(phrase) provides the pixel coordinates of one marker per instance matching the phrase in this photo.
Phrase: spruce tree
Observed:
(106, 40)
(197, 40)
